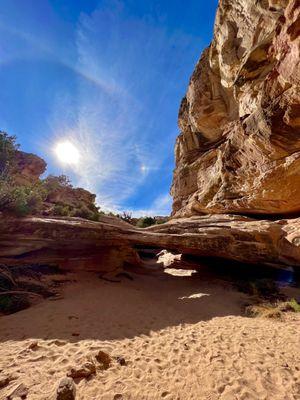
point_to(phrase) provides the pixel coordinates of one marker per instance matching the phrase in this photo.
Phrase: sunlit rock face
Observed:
(28, 168)
(71, 196)
(111, 244)
(239, 146)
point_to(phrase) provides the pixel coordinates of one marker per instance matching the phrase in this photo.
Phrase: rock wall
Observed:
(239, 146)
(110, 244)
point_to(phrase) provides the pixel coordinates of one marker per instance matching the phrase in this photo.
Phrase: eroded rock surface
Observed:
(239, 147)
(111, 244)
(28, 168)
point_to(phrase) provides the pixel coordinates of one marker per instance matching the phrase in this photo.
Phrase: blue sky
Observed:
(107, 75)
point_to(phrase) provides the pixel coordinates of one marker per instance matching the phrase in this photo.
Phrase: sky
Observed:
(107, 76)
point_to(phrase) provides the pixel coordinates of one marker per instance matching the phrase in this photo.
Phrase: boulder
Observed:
(28, 168)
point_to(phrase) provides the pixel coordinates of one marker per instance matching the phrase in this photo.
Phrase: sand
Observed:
(182, 338)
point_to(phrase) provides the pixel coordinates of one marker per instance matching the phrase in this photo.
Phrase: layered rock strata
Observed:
(239, 146)
(111, 244)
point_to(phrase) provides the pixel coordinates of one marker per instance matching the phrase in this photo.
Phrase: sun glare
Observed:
(67, 153)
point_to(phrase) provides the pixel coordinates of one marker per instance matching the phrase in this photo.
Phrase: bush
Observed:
(272, 310)
(126, 216)
(61, 210)
(21, 200)
(25, 199)
(6, 193)
(85, 212)
(293, 305)
(145, 222)
(8, 147)
(52, 182)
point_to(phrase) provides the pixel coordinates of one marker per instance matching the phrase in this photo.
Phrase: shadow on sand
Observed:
(91, 308)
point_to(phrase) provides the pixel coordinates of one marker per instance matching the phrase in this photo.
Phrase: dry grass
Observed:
(274, 311)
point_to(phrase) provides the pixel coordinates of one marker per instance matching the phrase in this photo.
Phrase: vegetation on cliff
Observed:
(23, 192)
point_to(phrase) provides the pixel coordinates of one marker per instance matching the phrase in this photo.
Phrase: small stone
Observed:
(104, 359)
(33, 345)
(121, 361)
(85, 371)
(21, 391)
(66, 389)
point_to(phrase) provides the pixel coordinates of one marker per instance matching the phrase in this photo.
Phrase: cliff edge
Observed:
(239, 146)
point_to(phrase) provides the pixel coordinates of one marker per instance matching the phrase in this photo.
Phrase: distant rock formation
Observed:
(23, 191)
(28, 168)
(239, 146)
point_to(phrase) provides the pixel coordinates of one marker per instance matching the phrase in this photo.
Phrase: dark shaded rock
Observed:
(103, 359)
(66, 389)
(121, 361)
(20, 392)
(85, 371)
(4, 380)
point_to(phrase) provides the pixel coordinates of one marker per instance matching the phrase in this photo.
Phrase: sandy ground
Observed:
(182, 338)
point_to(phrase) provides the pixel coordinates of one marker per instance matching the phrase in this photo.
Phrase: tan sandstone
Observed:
(239, 146)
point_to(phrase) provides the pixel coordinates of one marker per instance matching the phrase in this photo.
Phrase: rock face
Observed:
(70, 196)
(28, 169)
(239, 146)
(111, 244)
(238, 153)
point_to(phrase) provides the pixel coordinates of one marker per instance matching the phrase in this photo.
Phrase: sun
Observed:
(67, 153)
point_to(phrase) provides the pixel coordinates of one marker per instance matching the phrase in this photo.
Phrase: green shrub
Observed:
(272, 310)
(52, 182)
(21, 200)
(294, 305)
(6, 193)
(61, 210)
(8, 148)
(145, 222)
(85, 212)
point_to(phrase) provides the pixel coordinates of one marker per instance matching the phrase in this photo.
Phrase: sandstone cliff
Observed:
(238, 152)
(110, 244)
(239, 146)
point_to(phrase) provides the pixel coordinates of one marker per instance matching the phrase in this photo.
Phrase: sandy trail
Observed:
(182, 337)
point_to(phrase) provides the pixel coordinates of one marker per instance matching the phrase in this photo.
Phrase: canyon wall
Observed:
(239, 146)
